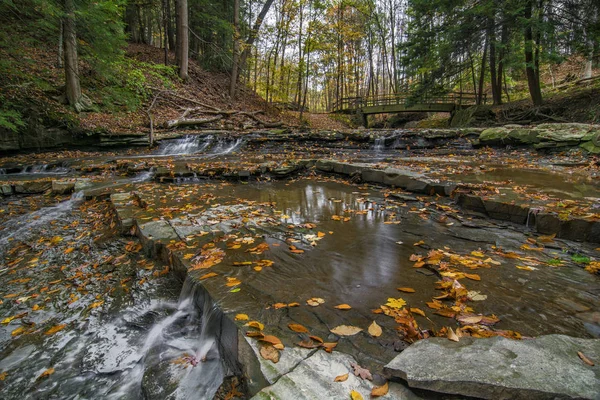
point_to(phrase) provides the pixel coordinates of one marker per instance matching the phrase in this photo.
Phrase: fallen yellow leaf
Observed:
(406, 289)
(241, 317)
(354, 395)
(375, 330)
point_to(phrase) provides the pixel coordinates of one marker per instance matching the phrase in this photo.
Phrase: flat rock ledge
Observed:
(547, 367)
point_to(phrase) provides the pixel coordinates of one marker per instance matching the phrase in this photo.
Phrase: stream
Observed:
(87, 315)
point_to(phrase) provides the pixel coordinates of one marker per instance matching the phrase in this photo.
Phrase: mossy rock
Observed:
(494, 136)
(524, 136)
(591, 147)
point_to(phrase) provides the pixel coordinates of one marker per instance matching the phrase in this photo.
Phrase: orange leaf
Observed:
(55, 329)
(206, 276)
(380, 390)
(298, 328)
(474, 277)
(406, 289)
(341, 378)
(343, 307)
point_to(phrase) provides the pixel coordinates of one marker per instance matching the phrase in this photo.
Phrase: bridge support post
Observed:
(364, 118)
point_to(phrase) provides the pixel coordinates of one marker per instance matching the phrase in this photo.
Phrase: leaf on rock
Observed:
(315, 301)
(273, 340)
(329, 346)
(341, 378)
(209, 275)
(256, 324)
(585, 359)
(451, 335)
(474, 277)
(361, 372)
(269, 352)
(346, 330)
(415, 310)
(354, 395)
(55, 329)
(242, 317)
(380, 390)
(406, 289)
(46, 373)
(476, 296)
(395, 303)
(343, 307)
(375, 330)
(298, 328)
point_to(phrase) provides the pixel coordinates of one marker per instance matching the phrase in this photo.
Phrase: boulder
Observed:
(590, 147)
(314, 378)
(494, 136)
(63, 186)
(547, 367)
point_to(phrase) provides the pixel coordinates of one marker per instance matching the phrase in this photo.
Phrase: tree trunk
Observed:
(236, 49)
(183, 38)
(496, 89)
(61, 53)
(71, 61)
(500, 74)
(533, 81)
(254, 33)
(482, 72)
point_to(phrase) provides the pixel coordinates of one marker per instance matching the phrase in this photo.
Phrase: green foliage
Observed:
(578, 258)
(128, 85)
(555, 262)
(11, 119)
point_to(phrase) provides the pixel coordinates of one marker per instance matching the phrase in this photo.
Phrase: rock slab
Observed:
(547, 367)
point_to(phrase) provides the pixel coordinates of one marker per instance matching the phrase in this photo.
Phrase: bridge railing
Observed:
(354, 103)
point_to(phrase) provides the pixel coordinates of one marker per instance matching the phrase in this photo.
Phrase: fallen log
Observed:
(190, 121)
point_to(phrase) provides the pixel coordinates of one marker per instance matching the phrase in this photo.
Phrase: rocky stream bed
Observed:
(407, 264)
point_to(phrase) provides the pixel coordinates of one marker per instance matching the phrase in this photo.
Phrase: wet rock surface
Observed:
(547, 367)
(261, 224)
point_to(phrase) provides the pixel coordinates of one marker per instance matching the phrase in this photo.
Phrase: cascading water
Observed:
(190, 144)
(379, 144)
(206, 145)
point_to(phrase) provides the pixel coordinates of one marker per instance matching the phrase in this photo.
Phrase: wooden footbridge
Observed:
(398, 103)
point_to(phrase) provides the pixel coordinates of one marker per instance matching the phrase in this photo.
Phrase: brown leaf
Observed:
(274, 340)
(329, 346)
(257, 334)
(343, 307)
(469, 319)
(375, 330)
(316, 339)
(298, 328)
(346, 330)
(309, 344)
(415, 310)
(269, 352)
(380, 390)
(451, 335)
(361, 372)
(341, 378)
(585, 359)
(406, 289)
